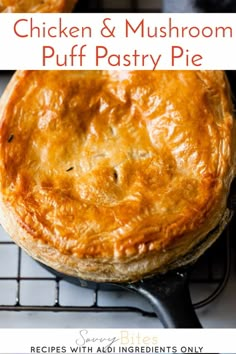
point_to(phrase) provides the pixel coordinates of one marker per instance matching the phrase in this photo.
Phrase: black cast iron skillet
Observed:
(168, 293)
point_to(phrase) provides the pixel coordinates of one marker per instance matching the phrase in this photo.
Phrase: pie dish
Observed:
(114, 175)
(32, 6)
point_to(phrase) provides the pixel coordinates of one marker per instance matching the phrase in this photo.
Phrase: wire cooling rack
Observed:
(26, 286)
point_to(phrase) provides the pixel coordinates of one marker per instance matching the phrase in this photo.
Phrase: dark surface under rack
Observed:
(118, 6)
(213, 269)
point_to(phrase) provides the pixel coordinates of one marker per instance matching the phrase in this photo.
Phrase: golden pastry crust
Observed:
(112, 176)
(32, 6)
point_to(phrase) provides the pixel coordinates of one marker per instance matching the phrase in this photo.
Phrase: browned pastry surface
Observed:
(31, 6)
(114, 175)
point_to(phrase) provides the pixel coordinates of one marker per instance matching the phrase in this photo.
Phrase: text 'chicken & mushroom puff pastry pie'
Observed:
(31, 6)
(113, 175)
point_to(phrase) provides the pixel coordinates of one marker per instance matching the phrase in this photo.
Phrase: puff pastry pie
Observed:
(32, 6)
(112, 175)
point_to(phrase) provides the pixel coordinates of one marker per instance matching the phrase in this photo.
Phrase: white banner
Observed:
(118, 41)
(19, 341)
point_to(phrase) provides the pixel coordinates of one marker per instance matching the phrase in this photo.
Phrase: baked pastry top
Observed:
(113, 175)
(32, 6)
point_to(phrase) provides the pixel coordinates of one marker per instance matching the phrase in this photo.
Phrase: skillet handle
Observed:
(170, 298)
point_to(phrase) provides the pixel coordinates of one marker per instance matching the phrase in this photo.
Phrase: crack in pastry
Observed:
(112, 175)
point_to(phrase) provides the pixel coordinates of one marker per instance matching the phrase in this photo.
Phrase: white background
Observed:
(26, 53)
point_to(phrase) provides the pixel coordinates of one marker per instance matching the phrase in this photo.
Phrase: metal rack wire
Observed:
(212, 269)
